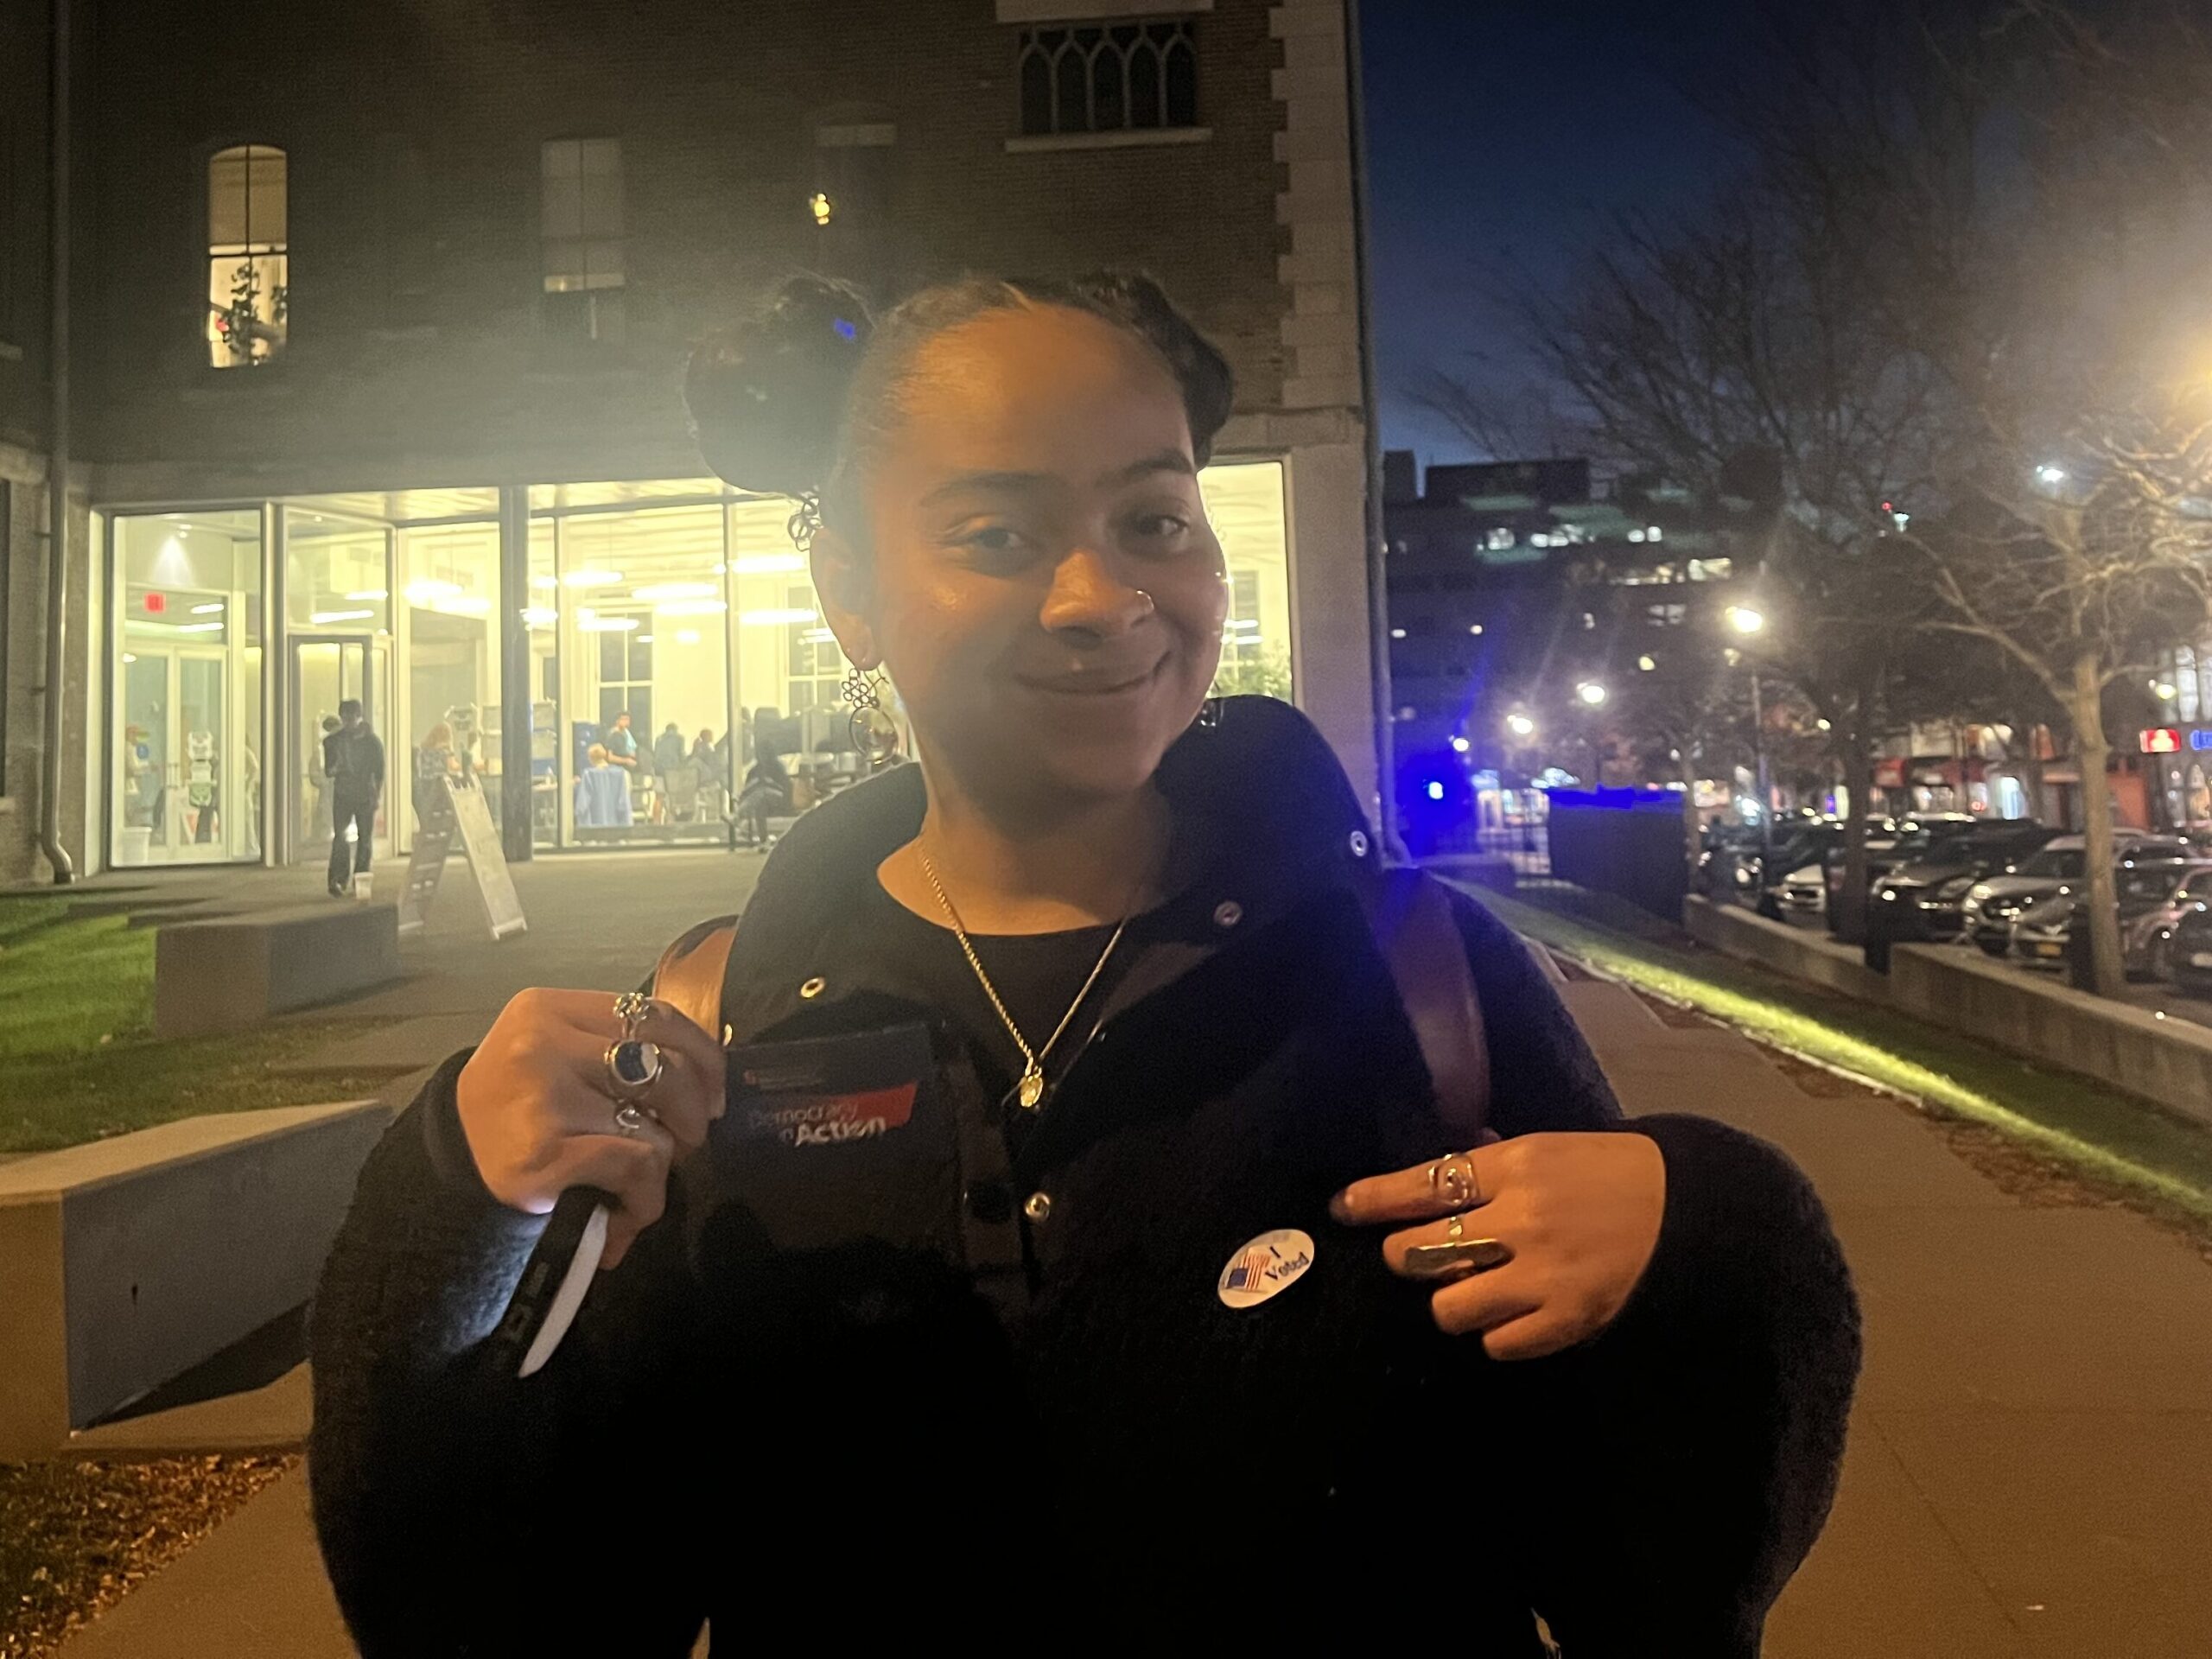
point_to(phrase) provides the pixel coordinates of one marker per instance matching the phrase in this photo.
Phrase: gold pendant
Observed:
(1031, 1089)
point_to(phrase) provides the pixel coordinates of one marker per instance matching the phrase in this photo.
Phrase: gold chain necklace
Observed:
(1030, 1091)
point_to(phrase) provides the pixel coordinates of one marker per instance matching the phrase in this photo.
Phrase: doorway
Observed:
(186, 799)
(325, 672)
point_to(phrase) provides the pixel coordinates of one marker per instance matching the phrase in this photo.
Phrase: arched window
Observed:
(249, 278)
(1121, 78)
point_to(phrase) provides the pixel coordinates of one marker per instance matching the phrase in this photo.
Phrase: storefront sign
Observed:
(2200, 739)
(2160, 739)
(1888, 775)
(457, 812)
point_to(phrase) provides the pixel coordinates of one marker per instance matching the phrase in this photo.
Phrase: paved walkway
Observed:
(2030, 1467)
(2030, 1470)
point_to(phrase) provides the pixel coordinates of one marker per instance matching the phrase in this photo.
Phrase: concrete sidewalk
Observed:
(2030, 1470)
(2030, 1465)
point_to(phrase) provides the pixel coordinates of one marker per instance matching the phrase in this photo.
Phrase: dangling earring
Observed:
(875, 735)
(1210, 714)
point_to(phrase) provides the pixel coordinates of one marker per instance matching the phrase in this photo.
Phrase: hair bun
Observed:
(766, 396)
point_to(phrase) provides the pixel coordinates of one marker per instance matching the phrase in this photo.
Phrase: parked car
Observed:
(1811, 888)
(2147, 942)
(2154, 892)
(1991, 906)
(1922, 899)
(1804, 888)
(1796, 842)
(2188, 952)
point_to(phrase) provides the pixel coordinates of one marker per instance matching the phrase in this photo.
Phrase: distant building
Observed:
(1512, 584)
(380, 318)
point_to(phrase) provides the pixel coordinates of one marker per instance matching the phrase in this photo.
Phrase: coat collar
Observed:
(1275, 812)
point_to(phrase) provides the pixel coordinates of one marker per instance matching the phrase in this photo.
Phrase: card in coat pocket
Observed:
(826, 1091)
(832, 1141)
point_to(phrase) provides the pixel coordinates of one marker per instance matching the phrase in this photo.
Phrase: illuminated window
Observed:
(1113, 78)
(248, 267)
(1666, 616)
(1244, 502)
(581, 227)
(815, 664)
(624, 640)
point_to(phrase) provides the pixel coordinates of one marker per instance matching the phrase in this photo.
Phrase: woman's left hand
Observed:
(1580, 1213)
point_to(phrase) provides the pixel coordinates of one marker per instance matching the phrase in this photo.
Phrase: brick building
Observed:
(380, 319)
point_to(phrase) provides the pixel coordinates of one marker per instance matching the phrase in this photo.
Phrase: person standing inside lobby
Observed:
(622, 743)
(353, 759)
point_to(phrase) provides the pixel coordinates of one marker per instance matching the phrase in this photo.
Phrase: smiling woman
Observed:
(1080, 1126)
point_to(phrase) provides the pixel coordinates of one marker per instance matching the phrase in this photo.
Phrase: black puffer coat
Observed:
(857, 1385)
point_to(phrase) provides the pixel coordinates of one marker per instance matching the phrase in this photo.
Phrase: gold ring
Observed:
(1454, 1181)
(1456, 1259)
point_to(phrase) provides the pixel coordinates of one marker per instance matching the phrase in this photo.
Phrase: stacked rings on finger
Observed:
(633, 1065)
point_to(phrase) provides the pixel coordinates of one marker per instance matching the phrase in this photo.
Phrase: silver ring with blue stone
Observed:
(633, 1067)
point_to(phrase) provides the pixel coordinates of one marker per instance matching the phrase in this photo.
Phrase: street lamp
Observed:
(1591, 693)
(1520, 725)
(1746, 620)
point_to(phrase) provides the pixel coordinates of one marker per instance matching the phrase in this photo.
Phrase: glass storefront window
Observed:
(186, 781)
(641, 640)
(338, 619)
(337, 574)
(1244, 501)
(550, 804)
(448, 714)
(666, 600)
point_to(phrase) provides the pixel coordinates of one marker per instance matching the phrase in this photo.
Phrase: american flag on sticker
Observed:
(1246, 1274)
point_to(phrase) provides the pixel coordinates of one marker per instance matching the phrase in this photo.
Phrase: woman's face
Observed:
(1042, 585)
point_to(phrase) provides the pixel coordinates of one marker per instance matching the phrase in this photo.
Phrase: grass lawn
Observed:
(2098, 1129)
(78, 1059)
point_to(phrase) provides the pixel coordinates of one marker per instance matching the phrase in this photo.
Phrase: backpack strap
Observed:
(689, 974)
(1410, 914)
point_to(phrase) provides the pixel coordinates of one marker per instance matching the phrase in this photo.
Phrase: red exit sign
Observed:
(156, 603)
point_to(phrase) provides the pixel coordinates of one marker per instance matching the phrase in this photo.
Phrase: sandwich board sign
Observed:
(466, 817)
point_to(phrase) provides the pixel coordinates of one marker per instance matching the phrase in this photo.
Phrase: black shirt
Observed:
(1036, 975)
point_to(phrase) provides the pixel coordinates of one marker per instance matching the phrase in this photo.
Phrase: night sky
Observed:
(1513, 130)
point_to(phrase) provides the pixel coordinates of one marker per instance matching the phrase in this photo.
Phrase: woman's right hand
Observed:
(538, 1107)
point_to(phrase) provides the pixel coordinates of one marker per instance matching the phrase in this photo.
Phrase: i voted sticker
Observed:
(1267, 1267)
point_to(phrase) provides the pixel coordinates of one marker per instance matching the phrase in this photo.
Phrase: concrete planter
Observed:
(1812, 956)
(2168, 1061)
(127, 1262)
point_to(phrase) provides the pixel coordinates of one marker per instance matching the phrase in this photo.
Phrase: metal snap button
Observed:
(814, 987)
(1037, 1206)
(1228, 914)
(1358, 843)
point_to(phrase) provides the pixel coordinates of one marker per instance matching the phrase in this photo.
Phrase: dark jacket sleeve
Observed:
(462, 1510)
(1700, 1435)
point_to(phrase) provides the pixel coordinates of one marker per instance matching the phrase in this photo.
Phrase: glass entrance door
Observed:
(326, 672)
(183, 798)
